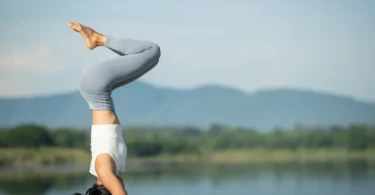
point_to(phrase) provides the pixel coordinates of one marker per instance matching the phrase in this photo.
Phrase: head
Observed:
(99, 189)
(96, 190)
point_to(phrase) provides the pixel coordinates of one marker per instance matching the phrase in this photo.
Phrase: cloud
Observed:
(39, 59)
(19, 83)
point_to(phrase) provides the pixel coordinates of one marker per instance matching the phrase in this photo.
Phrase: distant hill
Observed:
(143, 104)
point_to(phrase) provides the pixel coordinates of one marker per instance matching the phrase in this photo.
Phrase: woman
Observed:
(96, 85)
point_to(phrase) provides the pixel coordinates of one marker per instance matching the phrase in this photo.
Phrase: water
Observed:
(308, 179)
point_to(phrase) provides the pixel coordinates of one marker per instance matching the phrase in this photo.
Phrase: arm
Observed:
(105, 167)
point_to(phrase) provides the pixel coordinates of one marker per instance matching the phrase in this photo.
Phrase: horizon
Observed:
(318, 46)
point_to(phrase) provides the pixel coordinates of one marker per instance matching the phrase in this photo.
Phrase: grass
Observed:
(300, 155)
(272, 155)
(42, 156)
(48, 156)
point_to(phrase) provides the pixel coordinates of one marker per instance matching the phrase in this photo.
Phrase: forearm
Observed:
(113, 184)
(105, 167)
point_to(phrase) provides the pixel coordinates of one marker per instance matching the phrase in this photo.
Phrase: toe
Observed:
(71, 24)
(74, 26)
(79, 26)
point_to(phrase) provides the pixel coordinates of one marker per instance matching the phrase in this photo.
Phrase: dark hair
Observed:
(96, 190)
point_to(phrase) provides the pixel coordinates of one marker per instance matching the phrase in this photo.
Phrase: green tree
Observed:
(28, 136)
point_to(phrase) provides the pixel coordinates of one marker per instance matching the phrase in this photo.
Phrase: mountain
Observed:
(143, 104)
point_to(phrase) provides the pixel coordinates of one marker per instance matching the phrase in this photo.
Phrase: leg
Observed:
(119, 46)
(99, 80)
(146, 53)
(123, 46)
(136, 58)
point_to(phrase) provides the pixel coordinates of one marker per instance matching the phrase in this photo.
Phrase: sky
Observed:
(251, 45)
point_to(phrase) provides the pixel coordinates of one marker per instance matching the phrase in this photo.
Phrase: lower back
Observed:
(100, 117)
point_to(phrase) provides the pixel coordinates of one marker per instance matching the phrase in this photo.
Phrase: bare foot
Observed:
(91, 37)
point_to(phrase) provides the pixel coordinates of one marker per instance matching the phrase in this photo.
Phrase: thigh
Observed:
(122, 70)
(103, 77)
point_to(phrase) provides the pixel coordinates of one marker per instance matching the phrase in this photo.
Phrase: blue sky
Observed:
(317, 45)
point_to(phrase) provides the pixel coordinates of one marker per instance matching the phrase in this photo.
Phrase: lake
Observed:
(355, 178)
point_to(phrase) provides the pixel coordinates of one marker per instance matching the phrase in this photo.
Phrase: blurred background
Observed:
(249, 97)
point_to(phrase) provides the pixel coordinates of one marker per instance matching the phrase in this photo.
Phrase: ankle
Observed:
(100, 39)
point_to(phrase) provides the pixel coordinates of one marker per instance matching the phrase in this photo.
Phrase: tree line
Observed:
(148, 141)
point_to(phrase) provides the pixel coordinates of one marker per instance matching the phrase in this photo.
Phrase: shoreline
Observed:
(137, 167)
(23, 157)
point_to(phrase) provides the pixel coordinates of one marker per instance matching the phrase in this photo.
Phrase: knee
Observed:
(155, 48)
(86, 83)
(95, 91)
(92, 83)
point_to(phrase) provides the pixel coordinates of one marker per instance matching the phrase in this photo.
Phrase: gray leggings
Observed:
(99, 80)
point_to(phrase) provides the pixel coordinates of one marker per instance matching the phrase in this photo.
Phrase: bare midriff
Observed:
(102, 117)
